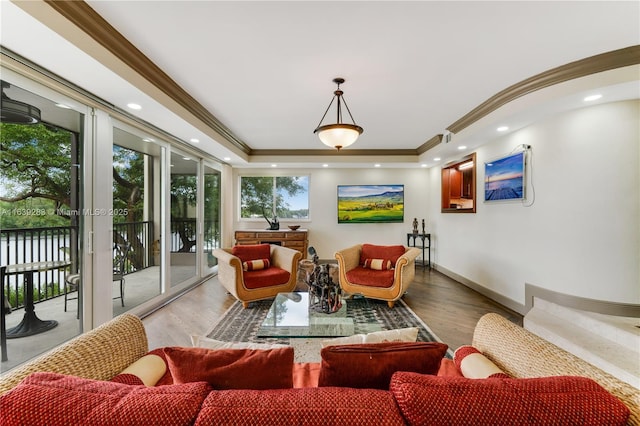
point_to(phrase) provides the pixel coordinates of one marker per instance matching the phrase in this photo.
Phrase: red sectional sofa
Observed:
(79, 383)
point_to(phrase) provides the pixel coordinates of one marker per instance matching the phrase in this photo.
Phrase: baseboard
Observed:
(497, 297)
(580, 303)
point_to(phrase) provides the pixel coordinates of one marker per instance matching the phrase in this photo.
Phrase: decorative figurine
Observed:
(324, 294)
(423, 231)
(415, 225)
(274, 224)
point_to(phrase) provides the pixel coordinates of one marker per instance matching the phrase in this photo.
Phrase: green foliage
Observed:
(35, 164)
(128, 185)
(268, 194)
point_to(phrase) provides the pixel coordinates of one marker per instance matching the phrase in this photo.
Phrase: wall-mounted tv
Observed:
(370, 203)
(504, 178)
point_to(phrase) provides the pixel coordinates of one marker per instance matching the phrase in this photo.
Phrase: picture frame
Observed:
(370, 203)
(504, 178)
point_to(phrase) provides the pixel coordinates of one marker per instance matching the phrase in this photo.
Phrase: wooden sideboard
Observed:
(297, 240)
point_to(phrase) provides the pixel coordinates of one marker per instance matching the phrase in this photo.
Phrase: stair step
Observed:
(616, 359)
(622, 330)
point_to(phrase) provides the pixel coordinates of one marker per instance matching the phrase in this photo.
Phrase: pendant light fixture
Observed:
(16, 112)
(338, 135)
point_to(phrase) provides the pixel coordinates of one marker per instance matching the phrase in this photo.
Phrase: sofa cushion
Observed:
(308, 406)
(370, 277)
(409, 334)
(372, 251)
(371, 365)
(256, 264)
(232, 368)
(556, 400)
(252, 252)
(56, 399)
(265, 277)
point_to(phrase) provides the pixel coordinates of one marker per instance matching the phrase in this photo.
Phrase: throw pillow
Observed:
(474, 365)
(255, 265)
(372, 251)
(371, 365)
(209, 343)
(309, 407)
(536, 401)
(252, 252)
(232, 368)
(145, 371)
(409, 334)
(44, 399)
(378, 264)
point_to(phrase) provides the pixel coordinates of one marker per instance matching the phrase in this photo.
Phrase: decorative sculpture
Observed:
(324, 294)
(274, 224)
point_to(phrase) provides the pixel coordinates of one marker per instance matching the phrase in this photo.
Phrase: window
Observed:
(284, 196)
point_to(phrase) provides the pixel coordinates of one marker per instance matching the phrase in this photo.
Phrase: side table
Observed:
(421, 241)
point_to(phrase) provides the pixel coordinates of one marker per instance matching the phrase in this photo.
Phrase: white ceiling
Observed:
(265, 68)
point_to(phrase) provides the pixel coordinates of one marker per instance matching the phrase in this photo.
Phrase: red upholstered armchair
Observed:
(377, 272)
(255, 272)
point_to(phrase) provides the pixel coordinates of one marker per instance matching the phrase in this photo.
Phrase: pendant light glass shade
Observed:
(338, 135)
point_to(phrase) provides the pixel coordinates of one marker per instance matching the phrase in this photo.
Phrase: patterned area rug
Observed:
(241, 325)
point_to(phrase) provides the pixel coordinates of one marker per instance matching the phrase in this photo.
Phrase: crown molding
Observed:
(89, 21)
(94, 25)
(581, 68)
(333, 152)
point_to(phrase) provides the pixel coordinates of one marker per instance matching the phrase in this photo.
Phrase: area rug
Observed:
(241, 325)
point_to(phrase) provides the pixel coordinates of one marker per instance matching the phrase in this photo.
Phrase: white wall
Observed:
(325, 234)
(580, 236)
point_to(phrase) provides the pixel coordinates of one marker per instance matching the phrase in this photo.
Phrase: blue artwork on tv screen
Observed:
(504, 178)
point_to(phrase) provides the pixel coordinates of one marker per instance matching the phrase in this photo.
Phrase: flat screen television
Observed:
(504, 178)
(370, 203)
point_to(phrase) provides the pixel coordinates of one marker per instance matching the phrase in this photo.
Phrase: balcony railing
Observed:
(61, 243)
(28, 245)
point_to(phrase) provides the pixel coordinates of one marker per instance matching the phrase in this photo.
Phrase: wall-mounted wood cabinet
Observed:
(297, 240)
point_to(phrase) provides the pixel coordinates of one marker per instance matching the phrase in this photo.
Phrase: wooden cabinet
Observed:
(297, 240)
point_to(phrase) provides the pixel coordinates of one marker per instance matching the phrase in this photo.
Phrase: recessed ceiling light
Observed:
(227, 158)
(325, 165)
(194, 140)
(461, 147)
(436, 159)
(186, 158)
(502, 129)
(274, 165)
(423, 165)
(592, 98)
(63, 106)
(134, 106)
(376, 165)
(147, 140)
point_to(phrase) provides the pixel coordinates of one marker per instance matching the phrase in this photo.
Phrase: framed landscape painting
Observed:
(504, 178)
(370, 203)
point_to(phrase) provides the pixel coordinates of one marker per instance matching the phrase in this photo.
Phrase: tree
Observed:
(260, 194)
(35, 163)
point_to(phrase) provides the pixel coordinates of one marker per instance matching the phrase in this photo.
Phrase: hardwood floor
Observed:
(449, 308)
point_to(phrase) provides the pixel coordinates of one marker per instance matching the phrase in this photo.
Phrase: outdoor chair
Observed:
(120, 254)
(71, 284)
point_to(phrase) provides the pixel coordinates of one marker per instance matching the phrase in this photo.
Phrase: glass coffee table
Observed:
(290, 316)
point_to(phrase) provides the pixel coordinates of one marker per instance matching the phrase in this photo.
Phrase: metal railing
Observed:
(27, 245)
